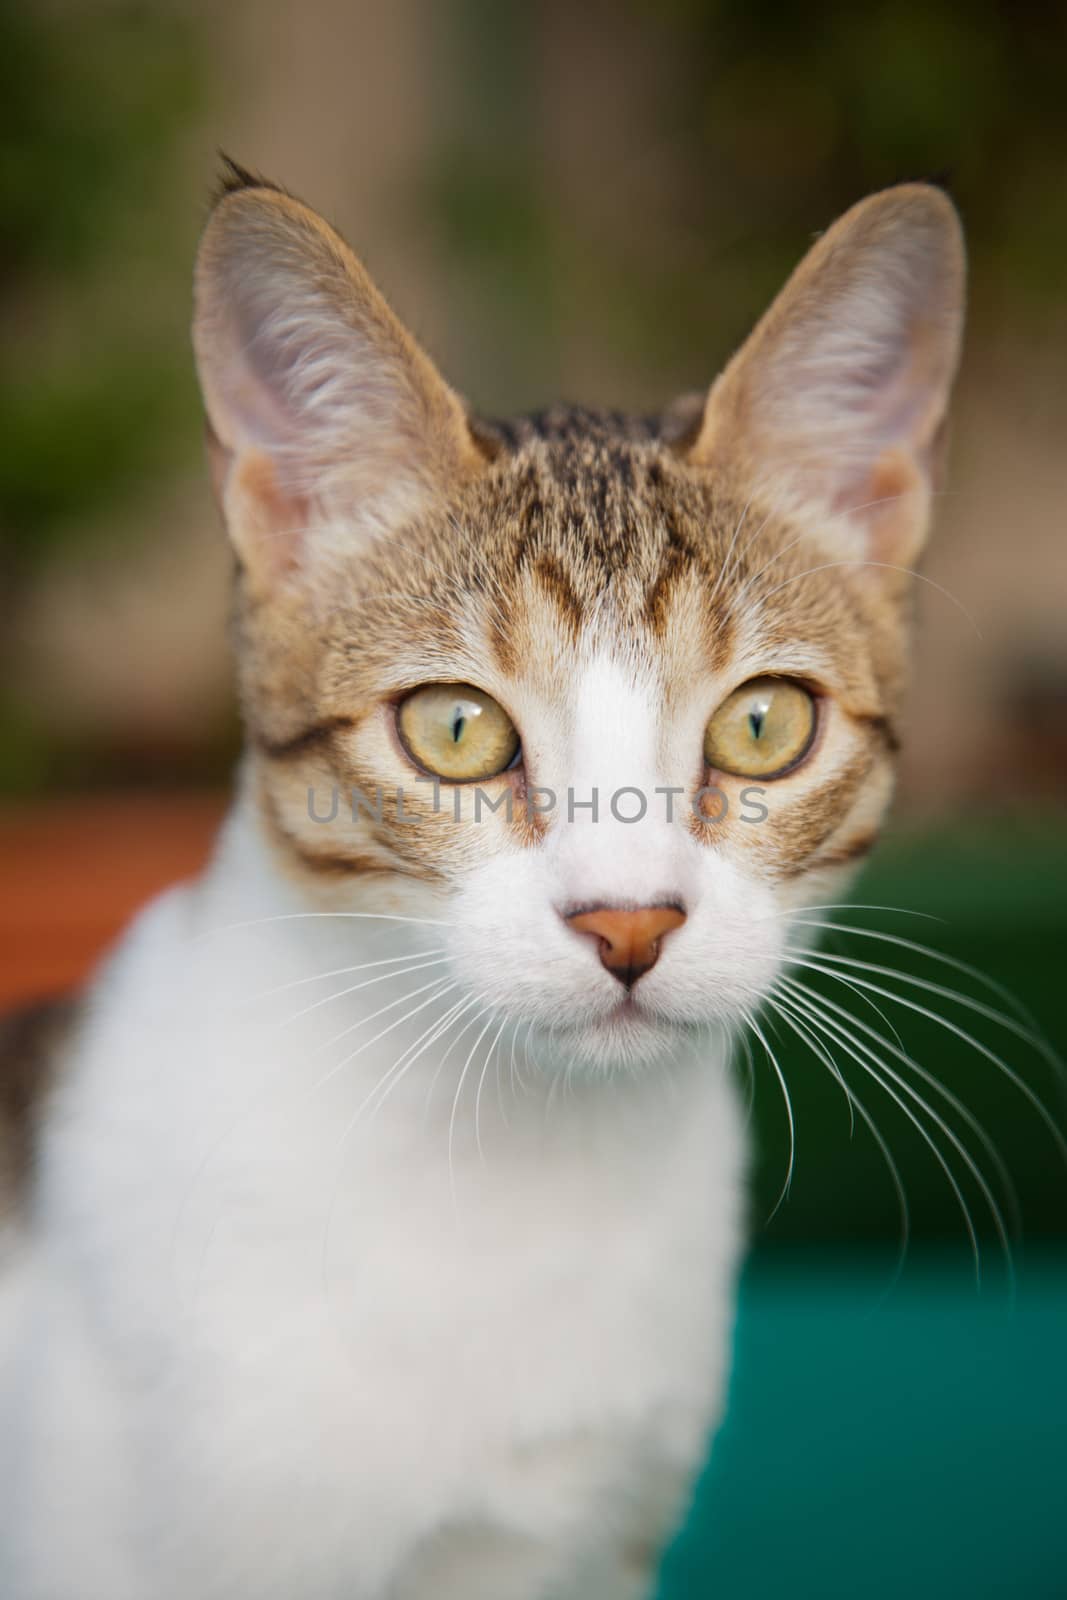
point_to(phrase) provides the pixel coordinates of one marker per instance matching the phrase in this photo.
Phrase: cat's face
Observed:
(636, 683)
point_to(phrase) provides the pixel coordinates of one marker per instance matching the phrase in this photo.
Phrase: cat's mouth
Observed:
(629, 1032)
(629, 1008)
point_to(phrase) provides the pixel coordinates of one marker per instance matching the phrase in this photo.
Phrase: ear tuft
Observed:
(837, 401)
(234, 177)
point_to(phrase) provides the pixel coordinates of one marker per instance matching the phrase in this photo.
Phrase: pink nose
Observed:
(629, 940)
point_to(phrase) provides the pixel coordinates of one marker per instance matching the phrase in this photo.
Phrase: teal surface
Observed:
(887, 1440)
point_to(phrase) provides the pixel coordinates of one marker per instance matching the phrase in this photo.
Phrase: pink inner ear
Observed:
(889, 503)
(897, 427)
(268, 522)
(260, 372)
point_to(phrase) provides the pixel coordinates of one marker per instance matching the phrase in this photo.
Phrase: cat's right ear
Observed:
(326, 421)
(835, 405)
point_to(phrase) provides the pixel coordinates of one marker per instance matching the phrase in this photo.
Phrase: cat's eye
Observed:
(457, 732)
(762, 730)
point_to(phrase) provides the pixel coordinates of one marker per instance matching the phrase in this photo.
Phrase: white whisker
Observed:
(304, 916)
(353, 1054)
(468, 1005)
(855, 1104)
(406, 1059)
(773, 1059)
(368, 983)
(926, 950)
(456, 1098)
(1027, 1036)
(887, 566)
(952, 1027)
(717, 585)
(481, 1085)
(341, 972)
(880, 1071)
(927, 1077)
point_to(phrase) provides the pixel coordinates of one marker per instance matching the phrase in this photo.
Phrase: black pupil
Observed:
(756, 720)
(459, 722)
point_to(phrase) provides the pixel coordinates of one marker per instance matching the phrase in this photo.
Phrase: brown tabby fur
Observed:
(577, 511)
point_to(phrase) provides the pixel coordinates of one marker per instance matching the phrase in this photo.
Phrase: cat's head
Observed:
(656, 666)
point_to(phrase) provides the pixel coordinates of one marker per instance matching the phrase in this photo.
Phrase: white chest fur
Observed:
(290, 1324)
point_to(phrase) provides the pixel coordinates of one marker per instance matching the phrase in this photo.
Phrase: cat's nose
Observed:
(629, 941)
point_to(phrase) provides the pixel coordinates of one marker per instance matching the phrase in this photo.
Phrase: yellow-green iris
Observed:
(457, 732)
(761, 730)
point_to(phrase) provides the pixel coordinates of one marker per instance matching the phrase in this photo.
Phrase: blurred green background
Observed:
(595, 202)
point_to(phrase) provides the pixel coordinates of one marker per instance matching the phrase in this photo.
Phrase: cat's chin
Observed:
(628, 1037)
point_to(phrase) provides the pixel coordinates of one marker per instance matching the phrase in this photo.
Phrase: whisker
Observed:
(553, 1090)
(796, 960)
(851, 1100)
(481, 1085)
(789, 913)
(772, 1058)
(353, 1054)
(961, 1033)
(838, 516)
(855, 1104)
(887, 566)
(1034, 1040)
(436, 1031)
(934, 955)
(303, 916)
(499, 1084)
(750, 1075)
(963, 1112)
(368, 983)
(514, 1045)
(340, 972)
(879, 1070)
(735, 600)
(717, 585)
(324, 1260)
(457, 1095)
(469, 1004)
(407, 1058)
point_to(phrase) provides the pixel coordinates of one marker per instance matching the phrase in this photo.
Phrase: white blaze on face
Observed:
(627, 852)
(509, 941)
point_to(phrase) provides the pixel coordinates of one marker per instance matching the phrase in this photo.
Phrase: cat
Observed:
(378, 1228)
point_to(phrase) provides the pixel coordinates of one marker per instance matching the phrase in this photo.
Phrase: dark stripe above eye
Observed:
(298, 744)
(557, 583)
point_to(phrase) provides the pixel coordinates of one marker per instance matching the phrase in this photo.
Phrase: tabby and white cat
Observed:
(388, 1198)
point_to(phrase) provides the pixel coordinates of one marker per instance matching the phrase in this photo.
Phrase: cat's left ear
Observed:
(327, 422)
(835, 405)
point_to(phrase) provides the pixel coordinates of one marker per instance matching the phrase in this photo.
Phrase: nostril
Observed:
(628, 939)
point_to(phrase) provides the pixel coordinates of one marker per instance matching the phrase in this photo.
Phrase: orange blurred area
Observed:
(75, 870)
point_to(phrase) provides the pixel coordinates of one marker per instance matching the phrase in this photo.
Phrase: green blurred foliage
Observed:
(94, 389)
(755, 123)
(760, 123)
(817, 107)
(78, 438)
